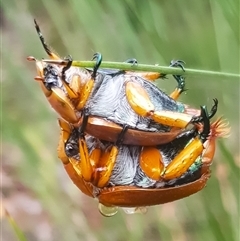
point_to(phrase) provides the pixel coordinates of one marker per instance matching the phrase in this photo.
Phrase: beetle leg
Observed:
(96, 167)
(87, 88)
(213, 111)
(218, 128)
(151, 162)
(68, 163)
(64, 135)
(139, 101)
(180, 164)
(179, 78)
(98, 58)
(68, 66)
(75, 81)
(107, 161)
(170, 118)
(85, 164)
(214, 108)
(60, 102)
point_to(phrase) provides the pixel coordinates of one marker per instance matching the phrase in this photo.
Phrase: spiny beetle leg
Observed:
(198, 119)
(190, 153)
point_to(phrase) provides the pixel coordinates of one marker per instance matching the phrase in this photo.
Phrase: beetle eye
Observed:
(71, 150)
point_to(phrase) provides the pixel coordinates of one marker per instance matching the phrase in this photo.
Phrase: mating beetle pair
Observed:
(130, 181)
(128, 120)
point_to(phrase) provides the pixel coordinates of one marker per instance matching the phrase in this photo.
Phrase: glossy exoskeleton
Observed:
(136, 176)
(112, 100)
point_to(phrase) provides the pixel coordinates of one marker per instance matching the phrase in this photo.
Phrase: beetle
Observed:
(110, 99)
(130, 184)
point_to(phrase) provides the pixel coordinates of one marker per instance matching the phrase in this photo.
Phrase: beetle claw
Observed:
(131, 61)
(177, 63)
(98, 58)
(198, 119)
(214, 108)
(179, 78)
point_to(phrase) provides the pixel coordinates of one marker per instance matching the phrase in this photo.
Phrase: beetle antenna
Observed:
(44, 44)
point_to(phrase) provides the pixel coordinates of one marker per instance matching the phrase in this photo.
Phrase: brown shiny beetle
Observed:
(114, 100)
(133, 176)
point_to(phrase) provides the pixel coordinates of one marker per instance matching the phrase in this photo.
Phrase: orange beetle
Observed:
(156, 118)
(135, 176)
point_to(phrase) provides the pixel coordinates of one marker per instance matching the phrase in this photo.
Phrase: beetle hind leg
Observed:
(181, 163)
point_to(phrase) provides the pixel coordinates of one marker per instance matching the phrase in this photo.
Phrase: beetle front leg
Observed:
(107, 161)
(87, 88)
(97, 167)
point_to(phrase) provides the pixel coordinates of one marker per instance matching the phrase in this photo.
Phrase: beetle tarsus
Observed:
(214, 108)
(198, 119)
(98, 58)
(179, 78)
(177, 63)
(206, 124)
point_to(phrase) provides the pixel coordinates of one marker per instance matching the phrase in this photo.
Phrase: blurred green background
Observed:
(35, 189)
